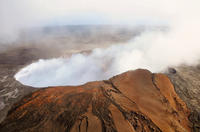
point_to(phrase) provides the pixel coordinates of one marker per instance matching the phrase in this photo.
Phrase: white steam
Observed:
(153, 50)
(147, 51)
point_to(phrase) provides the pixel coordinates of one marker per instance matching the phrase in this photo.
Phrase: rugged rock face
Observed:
(186, 81)
(187, 84)
(10, 89)
(133, 101)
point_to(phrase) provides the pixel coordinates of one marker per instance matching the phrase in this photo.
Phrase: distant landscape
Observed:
(99, 66)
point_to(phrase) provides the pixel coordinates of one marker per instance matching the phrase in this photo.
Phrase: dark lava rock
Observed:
(172, 70)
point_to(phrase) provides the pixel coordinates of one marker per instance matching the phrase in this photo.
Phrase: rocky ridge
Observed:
(133, 101)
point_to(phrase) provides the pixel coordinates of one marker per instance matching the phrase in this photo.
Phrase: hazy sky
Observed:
(18, 14)
(22, 13)
(25, 12)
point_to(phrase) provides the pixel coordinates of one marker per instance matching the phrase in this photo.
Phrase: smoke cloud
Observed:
(153, 50)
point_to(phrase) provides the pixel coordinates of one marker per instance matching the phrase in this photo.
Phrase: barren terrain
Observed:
(133, 101)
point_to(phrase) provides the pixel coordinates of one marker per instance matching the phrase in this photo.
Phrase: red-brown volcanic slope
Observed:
(133, 101)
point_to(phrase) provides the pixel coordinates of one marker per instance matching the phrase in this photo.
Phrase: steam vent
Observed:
(135, 101)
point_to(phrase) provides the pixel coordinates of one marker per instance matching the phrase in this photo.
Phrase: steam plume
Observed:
(153, 50)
